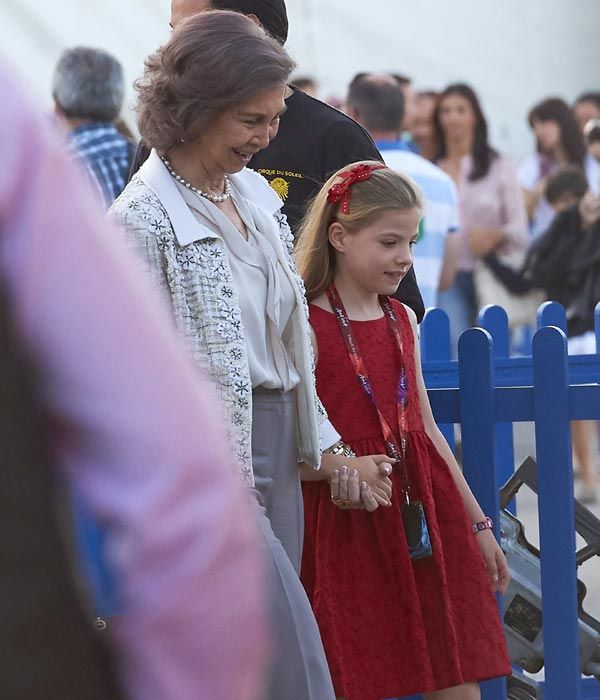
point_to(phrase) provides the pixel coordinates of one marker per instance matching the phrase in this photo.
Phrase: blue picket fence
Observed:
(486, 391)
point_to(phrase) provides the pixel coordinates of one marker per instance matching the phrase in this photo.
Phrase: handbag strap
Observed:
(396, 450)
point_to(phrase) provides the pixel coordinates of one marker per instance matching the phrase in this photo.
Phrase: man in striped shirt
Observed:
(376, 102)
(88, 90)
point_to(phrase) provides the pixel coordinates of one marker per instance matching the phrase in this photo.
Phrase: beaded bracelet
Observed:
(340, 449)
(487, 524)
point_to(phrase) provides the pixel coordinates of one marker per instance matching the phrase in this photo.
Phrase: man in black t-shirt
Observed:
(314, 140)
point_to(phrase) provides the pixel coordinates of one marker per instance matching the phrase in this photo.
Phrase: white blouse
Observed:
(266, 295)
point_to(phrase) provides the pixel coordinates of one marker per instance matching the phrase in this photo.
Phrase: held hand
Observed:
(349, 489)
(348, 492)
(375, 470)
(495, 561)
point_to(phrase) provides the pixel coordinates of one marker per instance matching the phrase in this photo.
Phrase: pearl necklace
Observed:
(215, 198)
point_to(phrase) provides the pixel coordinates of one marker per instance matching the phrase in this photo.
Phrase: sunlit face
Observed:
(422, 126)
(584, 111)
(548, 134)
(457, 118)
(377, 257)
(233, 137)
(182, 9)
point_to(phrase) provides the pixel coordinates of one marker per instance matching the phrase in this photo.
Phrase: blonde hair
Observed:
(385, 190)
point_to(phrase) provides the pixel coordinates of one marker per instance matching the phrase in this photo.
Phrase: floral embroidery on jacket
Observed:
(196, 282)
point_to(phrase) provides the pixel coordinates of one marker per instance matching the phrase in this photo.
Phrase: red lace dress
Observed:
(392, 626)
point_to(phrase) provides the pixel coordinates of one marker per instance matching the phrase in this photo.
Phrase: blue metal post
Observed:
(476, 380)
(556, 515)
(494, 320)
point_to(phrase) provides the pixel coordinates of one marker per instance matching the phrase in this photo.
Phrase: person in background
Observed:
(586, 107)
(377, 102)
(565, 188)
(124, 129)
(565, 263)
(307, 85)
(492, 212)
(88, 89)
(591, 134)
(423, 130)
(592, 138)
(559, 143)
(408, 92)
(148, 458)
(313, 141)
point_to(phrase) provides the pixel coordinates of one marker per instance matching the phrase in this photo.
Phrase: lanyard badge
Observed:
(413, 513)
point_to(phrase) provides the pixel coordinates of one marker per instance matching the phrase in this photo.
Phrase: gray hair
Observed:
(88, 84)
(213, 61)
(378, 102)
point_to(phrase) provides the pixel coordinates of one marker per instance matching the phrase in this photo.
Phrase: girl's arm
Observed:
(494, 558)
(364, 478)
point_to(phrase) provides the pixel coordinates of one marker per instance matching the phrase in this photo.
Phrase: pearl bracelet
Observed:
(487, 524)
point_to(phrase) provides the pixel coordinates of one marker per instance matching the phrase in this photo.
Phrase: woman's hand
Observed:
(495, 561)
(375, 470)
(348, 492)
(349, 489)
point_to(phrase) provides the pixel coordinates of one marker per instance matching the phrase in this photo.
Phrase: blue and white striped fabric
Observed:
(106, 154)
(440, 218)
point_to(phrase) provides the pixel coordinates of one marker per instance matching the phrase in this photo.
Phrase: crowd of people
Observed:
(227, 367)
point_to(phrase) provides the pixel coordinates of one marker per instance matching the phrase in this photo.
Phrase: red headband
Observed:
(340, 192)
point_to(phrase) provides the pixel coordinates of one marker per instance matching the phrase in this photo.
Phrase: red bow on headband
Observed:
(340, 192)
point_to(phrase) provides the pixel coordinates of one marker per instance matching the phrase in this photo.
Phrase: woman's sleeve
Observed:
(135, 233)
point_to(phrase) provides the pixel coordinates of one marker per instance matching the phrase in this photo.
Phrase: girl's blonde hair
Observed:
(386, 189)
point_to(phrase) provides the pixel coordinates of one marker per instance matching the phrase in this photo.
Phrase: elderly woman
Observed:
(213, 241)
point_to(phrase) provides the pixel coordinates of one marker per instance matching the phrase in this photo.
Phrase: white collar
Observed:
(187, 228)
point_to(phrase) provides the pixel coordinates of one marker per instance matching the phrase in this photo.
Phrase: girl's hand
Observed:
(495, 561)
(376, 471)
(349, 490)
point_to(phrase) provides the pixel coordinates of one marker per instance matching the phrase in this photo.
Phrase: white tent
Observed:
(514, 52)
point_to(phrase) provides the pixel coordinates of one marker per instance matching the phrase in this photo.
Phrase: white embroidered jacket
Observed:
(190, 266)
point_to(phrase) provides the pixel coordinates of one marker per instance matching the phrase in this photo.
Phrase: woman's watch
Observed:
(487, 524)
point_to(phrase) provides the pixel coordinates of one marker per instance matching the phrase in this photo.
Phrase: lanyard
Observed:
(393, 448)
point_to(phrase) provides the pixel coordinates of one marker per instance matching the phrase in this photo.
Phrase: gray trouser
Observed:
(299, 670)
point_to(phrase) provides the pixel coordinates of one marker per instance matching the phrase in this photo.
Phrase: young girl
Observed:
(392, 625)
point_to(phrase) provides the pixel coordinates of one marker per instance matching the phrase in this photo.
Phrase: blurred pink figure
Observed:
(135, 431)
